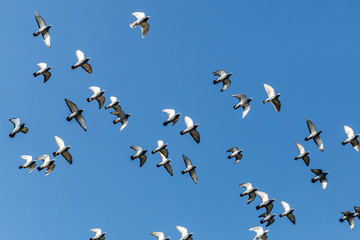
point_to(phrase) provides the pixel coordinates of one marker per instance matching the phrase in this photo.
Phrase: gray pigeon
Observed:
(76, 113)
(222, 77)
(191, 128)
(288, 212)
(272, 97)
(140, 153)
(17, 127)
(47, 163)
(166, 163)
(302, 154)
(98, 234)
(357, 212)
(235, 152)
(250, 191)
(351, 138)
(184, 233)
(260, 233)
(349, 217)
(173, 118)
(29, 163)
(43, 29)
(320, 175)
(122, 117)
(44, 70)
(142, 22)
(265, 201)
(315, 135)
(160, 236)
(190, 169)
(161, 147)
(63, 150)
(244, 102)
(82, 62)
(97, 95)
(269, 218)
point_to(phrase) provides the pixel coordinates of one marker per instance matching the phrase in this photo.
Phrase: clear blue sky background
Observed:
(307, 50)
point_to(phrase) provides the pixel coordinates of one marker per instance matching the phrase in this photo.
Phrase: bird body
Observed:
(190, 168)
(47, 163)
(244, 102)
(166, 163)
(265, 201)
(18, 127)
(82, 62)
(142, 22)
(269, 218)
(349, 217)
(315, 135)
(140, 153)
(272, 97)
(160, 236)
(44, 70)
(191, 128)
(184, 233)
(222, 77)
(43, 29)
(302, 154)
(172, 117)
(161, 147)
(98, 234)
(122, 117)
(62, 150)
(76, 113)
(250, 191)
(321, 176)
(97, 95)
(29, 163)
(113, 103)
(351, 138)
(260, 233)
(288, 212)
(236, 153)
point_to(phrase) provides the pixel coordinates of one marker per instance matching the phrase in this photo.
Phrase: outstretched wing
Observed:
(219, 73)
(300, 148)
(226, 84)
(311, 126)
(188, 122)
(285, 205)
(183, 231)
(319, 142)
(87, 67)
(139, 15)
(168, 168)
(196, 136)
(246, 185)
(269, 90)
(144, 29)
(46, 37)
(15, 121)
(59, 142)
(72, 106)
(264, 196)
(81, 120)
(193, 176)
(349, 132)
(170, 112)
(40, 21)
(80, 55)
(94, 89)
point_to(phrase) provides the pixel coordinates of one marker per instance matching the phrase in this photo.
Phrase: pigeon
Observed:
(244, 102)
(44, 70)
(166, 163)
(272, 97)
(190, 169)
(184, 233)
(122, 117)
(98, 234)
(349, 217)
(260, 233)
(302, 154)
(269, 218)
(191, 128)
(357, 212)
(351, 138)
(173, 118)
(17, 127)
(314, 134)
(43, 29)
(265, 201)
(288, 212)
(222, 77)
(98, 95)
(160, 236)
(142, 22)
(75, 113)
(320, 175)
(82, 62)
(140, 153)
(63, 150)
(47, 163)
(29, 163)
(250, 191)
(161, 147)
(235, 153)
(114, 101)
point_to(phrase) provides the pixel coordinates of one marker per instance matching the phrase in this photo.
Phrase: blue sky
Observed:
(307, 50)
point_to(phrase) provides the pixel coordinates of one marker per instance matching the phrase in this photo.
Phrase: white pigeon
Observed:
(43, 29)
(351, 138)
(63, 150)
(140, 153)
(29, 163)
(172, 117)
(260, 233)
(190, 169)
(47, 163)
(191, 128)
(82, 62)
(288, 212)
(184, 233)
(302, 154)
(98, 234)
(166, 163)
(44, 70)
(161, 147)
(272, 97)
(17, 127)
(244, 102)
(160, 236)
(222, 77)
(97, 95)
(142, 22)
(265, 201)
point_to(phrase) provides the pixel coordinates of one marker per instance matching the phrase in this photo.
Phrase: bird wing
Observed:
(46, 37)
(196, 136)
(233, 149)
(142, 160)
(42, 65)
(47, 76)
(306, 160)
(349, 132)
(323, 183)
(136, 148)
(113, 99)
(144, 28)
(97, 232)
(226, 84)
(81, 120)
(80, 55)
(319, 142)
(252, 196)
(188, 122)
(15, 121)
(258, 230)
(59, 142)
(160, 143)
(269, 207)
(219, 73)
(32, 167)
(159, 235)
(40, 21)
(124, 123)
(193, 176)
(246, 185)
(246, 110)
(271, 221)
(118, 110)
(72, 106)
(311, 126)
(291, 217)
(241, 97)
(50, 169)
(183, 231)
(67, 156)
(168, 168)
(300, 148)
(277, 104)
(94, 89)
(44, 158)
(165, 152)
(355, 144)
(169, 112)
(285, 205)
(101, 101)
(27, 158)
(87, 67)
(139, 15)
(187, 161)
(269, 90)
(317, 171)
(264, 196)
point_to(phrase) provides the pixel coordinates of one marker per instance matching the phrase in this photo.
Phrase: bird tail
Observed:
(343, 143)
(12, 135)
(296, 158)
(158, 165)
(39, 168)
(68, 118)
(35, 34)
(183, 172)
(20, 167)
(235, 107)
(307, 139)
(133, 24)
(265, 101)
(182, 133)
(215, 81)
(132, 158)
(88, 99)
(341, 219)
(54, 154)
(313, 180)
(73, 67)
(257, 207)
(165, 123)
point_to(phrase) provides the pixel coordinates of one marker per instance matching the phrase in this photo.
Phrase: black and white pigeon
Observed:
(172, 117)
(250, 191)
(265, 201)
(288, 212)
(244, 102)
(315, 135)
(113, 101)
(349, 217)
(190, 169)
(18, 127)
(235, 152)
(47, 163)
(98, 234)
(222, 77)
(97, 95)
(321, 176)
(75, 113)
(161, 147)
(351, 138)
(142, 22)
(44, 70)
(184, 233)
(63, 150)
(357, 212)
(272, 97)
(260, 233)
(302, 154)
(160, 236)
(140, 153)
(166, 163)
(29, 163)
(122, 117)
(191, 128)
(43, 29)
(269, 218)
(82, 62)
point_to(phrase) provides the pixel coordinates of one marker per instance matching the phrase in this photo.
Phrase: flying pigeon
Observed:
(191, 128)
(166, 163)
(184, 233)
(97, 95)
(272, 97)
(269, 218)
(160, 236)
(75, 113)
(113, 101)
(250, 191)
(142, 22)
(320, 175)
(82, 62)
(222, 77)
(122, 117)
(314, 134)
(44, 70)
(357, 212)
(351, 138)
(47, 163)
(161, 147)
(288, 212)
(244, 102)
(43, 29)
(17, 127)
(173, 118)
(235, 152)
(302, 154)
(260, 233)
(140, 153)
(98, 234)
(265, 201)
(190, 169)
(29, 163)
(63, 150)
(349, 217)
